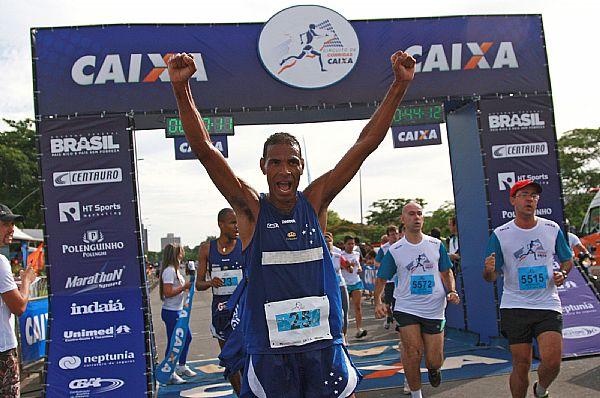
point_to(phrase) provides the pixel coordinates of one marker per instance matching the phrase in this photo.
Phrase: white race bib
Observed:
(298, 321)
(231, 278)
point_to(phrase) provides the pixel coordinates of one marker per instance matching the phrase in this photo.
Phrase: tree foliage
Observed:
(386, 212)
(19, 185)
(579, 151)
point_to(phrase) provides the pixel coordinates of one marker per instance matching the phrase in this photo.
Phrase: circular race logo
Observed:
(308, 46)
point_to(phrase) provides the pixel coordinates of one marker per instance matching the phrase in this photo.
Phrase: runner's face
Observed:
(525, 205)
(349, 245)
(7, 229)
(229, 227)
(392, 236)
(451, 227)
(412, 217)
(283, 167)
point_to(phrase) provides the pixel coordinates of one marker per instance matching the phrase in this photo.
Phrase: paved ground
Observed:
(578, 378)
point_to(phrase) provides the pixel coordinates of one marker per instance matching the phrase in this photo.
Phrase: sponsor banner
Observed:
(292, 60)
(519, 143)
(32, 325)
(183, 151)
(425, 134)
(581, 316)
(97, 342)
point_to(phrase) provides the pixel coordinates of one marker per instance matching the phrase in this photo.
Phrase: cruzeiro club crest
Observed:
(308, 46)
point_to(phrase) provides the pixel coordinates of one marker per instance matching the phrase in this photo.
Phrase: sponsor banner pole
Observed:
(167, 366)
(94, 267)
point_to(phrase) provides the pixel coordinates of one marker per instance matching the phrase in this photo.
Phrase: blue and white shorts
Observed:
(321, 373)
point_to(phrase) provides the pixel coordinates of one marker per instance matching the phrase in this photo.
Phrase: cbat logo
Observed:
(418, 135)
(308, 46)
(74, 211)
(86, 177)
(272, 225)
(515, 121)
(82, 144)
(519, 150)
(94, 385)
(120, 68)
(450, 58)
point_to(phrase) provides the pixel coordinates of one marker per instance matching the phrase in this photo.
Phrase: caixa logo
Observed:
(122, 68)
(443, 58)
(95, 385)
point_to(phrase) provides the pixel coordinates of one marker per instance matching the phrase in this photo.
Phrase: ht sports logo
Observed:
(506, 180)
(308, 46)
(75, 211)
(88, 69)
(83, 144)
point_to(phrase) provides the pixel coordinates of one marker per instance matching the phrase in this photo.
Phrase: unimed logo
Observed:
(86, 177)
(123, 68)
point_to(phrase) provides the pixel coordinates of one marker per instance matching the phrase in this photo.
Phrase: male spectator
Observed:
(222, 260)
(293, 348)
(388, 293)
(523, 251)
(14, 302)
(435, 233)
(575, 243)
(424, 277)
(384, 240)
(453, 250)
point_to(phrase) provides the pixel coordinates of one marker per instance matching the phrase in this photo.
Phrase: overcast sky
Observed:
(178, 197)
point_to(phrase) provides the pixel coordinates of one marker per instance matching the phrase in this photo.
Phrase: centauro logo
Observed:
(120, 68)
(440, 58)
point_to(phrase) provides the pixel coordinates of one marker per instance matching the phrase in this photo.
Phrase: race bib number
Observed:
(297, 322)
(230, 278)
(533, 278)
(421, 284)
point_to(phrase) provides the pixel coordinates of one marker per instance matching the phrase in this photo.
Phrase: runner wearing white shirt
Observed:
(336, 255)
(424, 276)
(523, 251)
(350, 271)
(388, 293)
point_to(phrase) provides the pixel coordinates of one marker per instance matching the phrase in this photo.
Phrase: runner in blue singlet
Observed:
(222, 260)
(292, 320)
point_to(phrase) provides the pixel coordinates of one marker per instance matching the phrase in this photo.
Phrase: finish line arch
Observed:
(94, 84)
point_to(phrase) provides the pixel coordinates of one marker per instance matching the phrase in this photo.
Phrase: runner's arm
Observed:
(324, 189)
(494, 259)
(201, 283)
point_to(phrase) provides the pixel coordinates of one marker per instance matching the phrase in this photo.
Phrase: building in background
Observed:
(170, 238)
(144, 239)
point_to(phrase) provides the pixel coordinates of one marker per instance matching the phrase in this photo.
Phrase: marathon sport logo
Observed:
(93, 245)
(87, 177)
(84, 144)
(111, 332)
(444, 58)
(308, 46)
(122, 68)
(75, 211)
(519, 150)
(98, 280)
(515, 121)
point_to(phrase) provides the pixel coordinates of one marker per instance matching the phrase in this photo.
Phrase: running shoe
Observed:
(184, 370)
(386, 323)
(175, 379)
(361, 333)
(435, 377)
(406, 389)
(539, 396)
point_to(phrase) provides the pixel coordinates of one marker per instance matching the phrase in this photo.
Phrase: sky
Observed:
(178, 197)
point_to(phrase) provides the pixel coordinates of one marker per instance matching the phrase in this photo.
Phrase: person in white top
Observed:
(425, 283)
(336, 255)
(350, 263)
(393, 235)
(171, 287)
(523, 251)
(14, 302)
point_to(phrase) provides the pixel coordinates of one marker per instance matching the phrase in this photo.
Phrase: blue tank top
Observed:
(293, 301)
(227, 267)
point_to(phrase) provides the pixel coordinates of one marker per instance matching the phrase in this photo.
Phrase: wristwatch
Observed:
(453, 291)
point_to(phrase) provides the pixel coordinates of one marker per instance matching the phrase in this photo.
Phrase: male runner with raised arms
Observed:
(424, 276)
(222, 259)
(292, 318)
(523, 251)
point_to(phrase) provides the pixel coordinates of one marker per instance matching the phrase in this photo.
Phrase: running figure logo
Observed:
(534, 247)
(308, 46)
(420, 262)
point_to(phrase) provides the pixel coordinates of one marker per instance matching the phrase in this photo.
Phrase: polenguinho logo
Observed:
(308, 46)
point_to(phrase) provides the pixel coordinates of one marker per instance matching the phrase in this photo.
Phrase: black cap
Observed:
(6, 214)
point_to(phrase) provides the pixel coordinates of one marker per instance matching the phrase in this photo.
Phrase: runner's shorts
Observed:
(520, 325)
(388, 293)
(326, 372)
(221, 318)
(356, 286)
(428, 326)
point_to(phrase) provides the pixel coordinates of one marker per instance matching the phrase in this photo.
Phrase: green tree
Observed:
(384, 212)
(19, 185)
(580, 170)
(439, 218)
